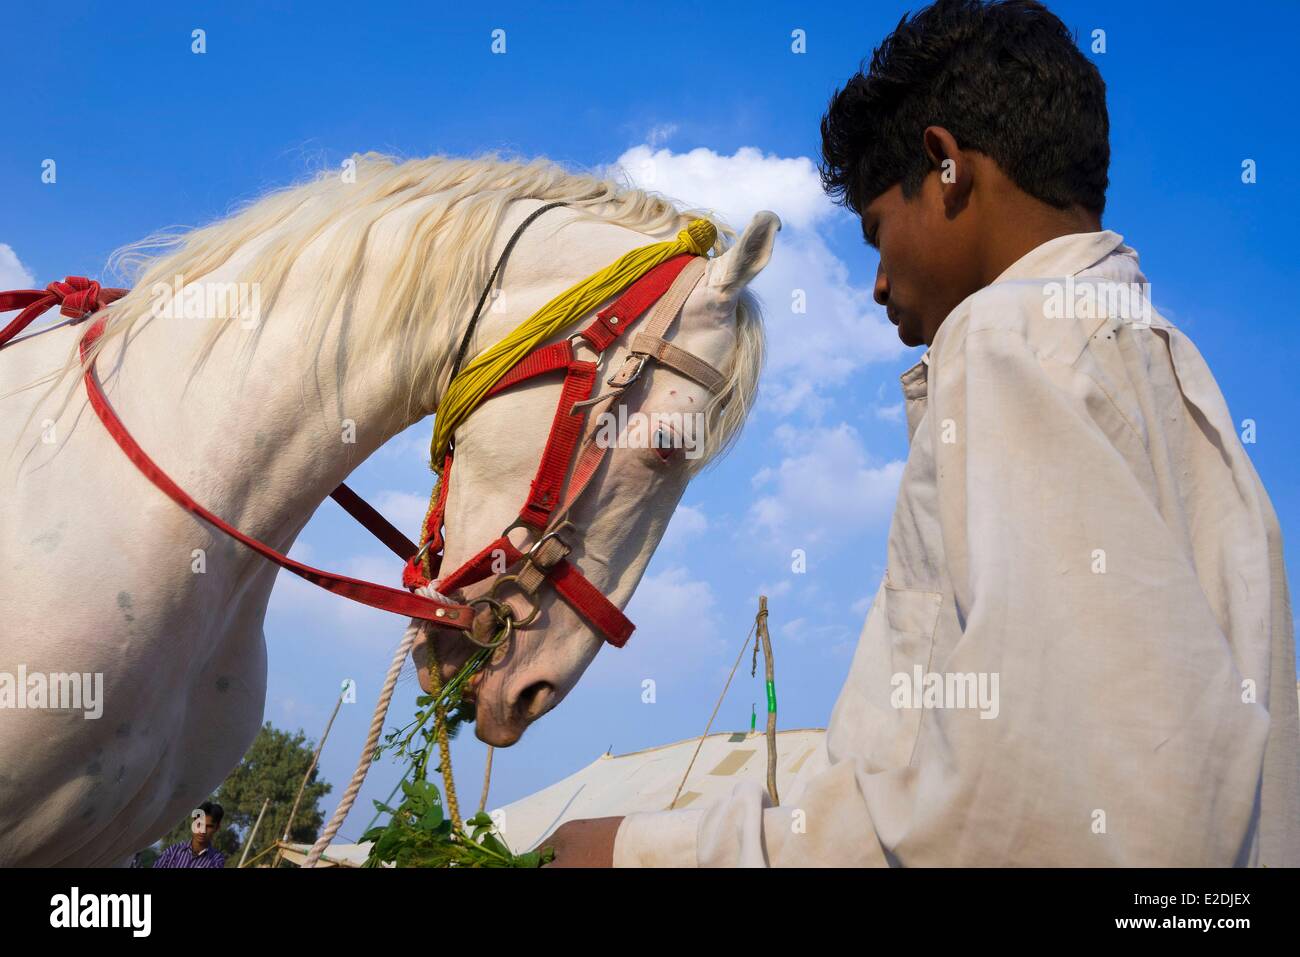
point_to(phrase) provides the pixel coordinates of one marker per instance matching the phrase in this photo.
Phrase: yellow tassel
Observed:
(468, 388)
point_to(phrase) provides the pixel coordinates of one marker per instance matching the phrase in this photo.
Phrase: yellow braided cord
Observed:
(426, 560)
(440, 733)
(444, 760)
(468, 388)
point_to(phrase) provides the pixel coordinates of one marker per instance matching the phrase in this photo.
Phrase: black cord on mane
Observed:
(501, 260)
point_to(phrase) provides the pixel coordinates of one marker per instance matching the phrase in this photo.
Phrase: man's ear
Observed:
(956, 174)
(735, 268)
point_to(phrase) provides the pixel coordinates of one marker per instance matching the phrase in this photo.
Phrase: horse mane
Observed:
(433, 289)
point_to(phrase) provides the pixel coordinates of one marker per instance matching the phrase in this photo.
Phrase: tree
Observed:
(272, 768)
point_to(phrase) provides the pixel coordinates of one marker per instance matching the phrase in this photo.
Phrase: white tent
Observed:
(336, 855)
(617, 784)
(647, 780)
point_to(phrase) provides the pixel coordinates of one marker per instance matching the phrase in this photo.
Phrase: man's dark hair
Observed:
(213, 810)
(1004, 78)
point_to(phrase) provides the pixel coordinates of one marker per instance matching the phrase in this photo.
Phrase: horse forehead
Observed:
(705, 326)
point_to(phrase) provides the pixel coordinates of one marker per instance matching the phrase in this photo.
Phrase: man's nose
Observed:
(881, 290)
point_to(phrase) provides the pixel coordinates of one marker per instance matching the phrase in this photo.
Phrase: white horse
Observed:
(365, 285)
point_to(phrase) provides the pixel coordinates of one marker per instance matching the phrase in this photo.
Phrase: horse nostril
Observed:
(534, 700)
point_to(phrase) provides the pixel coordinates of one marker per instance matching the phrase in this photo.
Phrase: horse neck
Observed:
(262, 437)
(259, 436)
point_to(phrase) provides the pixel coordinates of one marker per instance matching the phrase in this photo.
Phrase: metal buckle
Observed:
(520, 523)
(553, 533)
(500, 609)
(641, 358)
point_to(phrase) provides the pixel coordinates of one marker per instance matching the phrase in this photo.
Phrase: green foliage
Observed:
(418, 835)
(418, 832)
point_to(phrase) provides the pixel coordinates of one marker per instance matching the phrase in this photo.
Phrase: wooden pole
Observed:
(487, 780)
(770, 668)
(248, 845)
(265, 851)
(310, 768)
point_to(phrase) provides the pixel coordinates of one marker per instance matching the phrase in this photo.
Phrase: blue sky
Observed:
(712, 100)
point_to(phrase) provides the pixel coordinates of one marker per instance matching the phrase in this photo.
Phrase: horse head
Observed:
(659, 431)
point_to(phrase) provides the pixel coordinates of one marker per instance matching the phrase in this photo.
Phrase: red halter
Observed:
(78, 298)
(545, 559)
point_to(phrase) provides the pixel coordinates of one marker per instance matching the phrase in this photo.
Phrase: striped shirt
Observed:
(182, 855)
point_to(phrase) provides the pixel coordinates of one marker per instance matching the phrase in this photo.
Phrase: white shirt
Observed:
(1078, 530)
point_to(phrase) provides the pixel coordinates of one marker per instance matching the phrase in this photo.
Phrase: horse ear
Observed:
(737, 267)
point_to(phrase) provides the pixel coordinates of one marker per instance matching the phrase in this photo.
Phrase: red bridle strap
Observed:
(367, 593)
(77, 297)
(557, 455)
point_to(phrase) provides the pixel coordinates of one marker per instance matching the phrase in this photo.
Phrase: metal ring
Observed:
(517, 523)
(579, 335)
(553, 533)
(503, 613)
(519, 622)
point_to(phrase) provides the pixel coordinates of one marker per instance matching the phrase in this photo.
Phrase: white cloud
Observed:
(677, 627)
(841, 330)
(403, 509)
(303, 552)
(13, 274)
(304, 605)
(411, 443)
(862, 605)
(779, 590)
(800, 631)
(792, 630)
(825, 491)
(687, 523)
(661, 133)
(821, 328)
(734, 187)
(676, 608)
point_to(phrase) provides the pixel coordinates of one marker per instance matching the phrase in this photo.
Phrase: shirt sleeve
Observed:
(825, 823)
(1121, 734)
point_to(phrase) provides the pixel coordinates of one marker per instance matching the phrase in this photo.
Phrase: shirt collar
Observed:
(1066, 255)
(1063, 256)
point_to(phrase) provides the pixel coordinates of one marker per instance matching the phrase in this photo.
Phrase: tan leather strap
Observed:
(589, 456)
(538, 565)
(679, 360)
(649, 342)
(670, 303)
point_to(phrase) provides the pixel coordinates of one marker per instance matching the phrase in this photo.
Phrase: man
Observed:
(1081, 652)
(198, 850)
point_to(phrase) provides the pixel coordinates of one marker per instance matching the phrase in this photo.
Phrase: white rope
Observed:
(413, 632)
